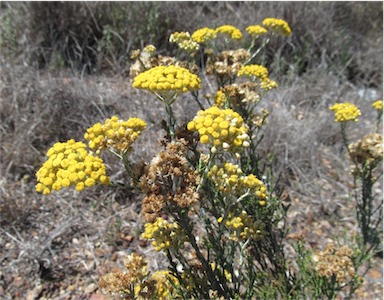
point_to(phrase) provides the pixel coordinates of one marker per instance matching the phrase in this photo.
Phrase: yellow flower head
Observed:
(149, 49)
(223, 129)
(220, 98)
(345, 112)
(69, 164)
(230, 31)
(231, 179)
(257, 71)
(204, 35)
(243, 228)
(114, 133)
(278, 26)
(184, 41)
(167, 81)
(165, 235)
(378, 105)
(256, 30)
(163, 288)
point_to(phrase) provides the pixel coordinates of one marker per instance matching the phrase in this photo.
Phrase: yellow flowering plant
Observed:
(210, 203)
(378, 105)
(366, 155)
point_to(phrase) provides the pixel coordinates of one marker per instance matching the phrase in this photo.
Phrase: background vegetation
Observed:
(65, 66)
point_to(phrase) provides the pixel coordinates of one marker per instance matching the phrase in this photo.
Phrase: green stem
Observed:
(182, 219)
(205, 172)
(265, 43)
(380, 113)
(171, 121)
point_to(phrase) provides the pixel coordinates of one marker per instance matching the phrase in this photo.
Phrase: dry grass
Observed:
(57, 246)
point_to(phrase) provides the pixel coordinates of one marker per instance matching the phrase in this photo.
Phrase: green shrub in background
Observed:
(211, 204)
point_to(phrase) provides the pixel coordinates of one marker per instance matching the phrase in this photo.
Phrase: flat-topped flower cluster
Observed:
(167, 78)
(114, 133)
(223, 129)
(70, 164)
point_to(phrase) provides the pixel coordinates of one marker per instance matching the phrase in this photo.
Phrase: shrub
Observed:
(211, 202)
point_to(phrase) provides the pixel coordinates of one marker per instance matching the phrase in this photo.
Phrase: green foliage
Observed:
(8, 35)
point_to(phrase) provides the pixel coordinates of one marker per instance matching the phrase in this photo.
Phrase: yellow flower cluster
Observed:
(114, 133)
(167, 78)
(204, 35)
(69, 164)
(163, 288)
(253, 71)
(220, 98)
(165, 235)
(242, 227)
(231, 179)
(256, 30)
(149, 49)
(224, 129)
(277, 25)
(184, 41)
(268, 84)
(378, 105)
(345, 112)
(335, 262)
(259, 72)
(230, 31)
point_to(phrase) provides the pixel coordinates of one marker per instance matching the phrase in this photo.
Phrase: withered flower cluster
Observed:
(227, 63)
(335, 262)
(169, 180)
(239, 94)
(135, 282)
(127, 283)
(368, 149)
(146, 60)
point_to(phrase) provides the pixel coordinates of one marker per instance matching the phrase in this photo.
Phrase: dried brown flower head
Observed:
(227, 63)
(146, 60)
(369, 149)
(130, 283)
(336, 262)
(169, 180)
